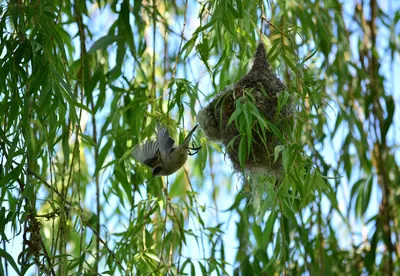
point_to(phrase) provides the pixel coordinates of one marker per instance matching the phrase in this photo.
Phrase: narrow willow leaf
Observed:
(315, 51)
(256, 229)
(277, 151)
(152, 256)
(185, 263)
(273, 53)
(276, 132)
(65, 145)
(367, 194)
(359, 205)
(390, 106)
(102, 155)
(289, 62)
(188, 47)
(104, 42)
(242, 151)
(204, 27)
(10, 260)
(268, 230)
(247, 113)
(235, 115)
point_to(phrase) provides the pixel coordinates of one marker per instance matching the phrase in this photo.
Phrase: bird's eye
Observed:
(156, 170)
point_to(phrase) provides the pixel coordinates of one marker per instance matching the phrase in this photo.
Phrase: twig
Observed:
(385, 214)
(272, 25)
(179, 51)
(86, 223)
(282, 232)
(96, 147)
(153, 62)
(321, 241)
(41, 240)
(197, 210)
(5, 261)
(165, 225)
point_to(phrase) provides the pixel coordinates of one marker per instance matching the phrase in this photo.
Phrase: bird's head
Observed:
(157, 170)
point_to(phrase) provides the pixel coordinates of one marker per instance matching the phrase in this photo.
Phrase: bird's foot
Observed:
(194, 149)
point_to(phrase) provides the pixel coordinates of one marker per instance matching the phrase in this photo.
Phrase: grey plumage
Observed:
(165, 142)
(146, 153)
(161, 155)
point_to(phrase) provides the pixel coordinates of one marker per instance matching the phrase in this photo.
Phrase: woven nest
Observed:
(265, 87)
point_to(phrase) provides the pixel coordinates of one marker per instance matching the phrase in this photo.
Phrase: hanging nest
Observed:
(264, 89)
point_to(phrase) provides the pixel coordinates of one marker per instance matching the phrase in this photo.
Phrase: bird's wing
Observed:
(165, 142)
(147, 153)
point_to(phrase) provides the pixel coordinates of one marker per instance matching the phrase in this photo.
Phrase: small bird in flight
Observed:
(161, 155)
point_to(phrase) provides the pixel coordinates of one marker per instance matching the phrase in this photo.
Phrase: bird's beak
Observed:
(189, 136)
(194, 128)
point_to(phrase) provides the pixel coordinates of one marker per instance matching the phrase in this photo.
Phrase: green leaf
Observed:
(371, 254)
(126, 154)
(359, 205)
(192, 269)
(269, 226)
(185, 263)
(272, 53)
(310, 55)
(202, 28)
(240, 8)
(356, 187)
(102, 155)
(367, 193)
(236, 113)
(283, 99)
(390, 107)
(10, 260)
(242, 151)
(289, 62)
(203, 268)
(103, 42)
(65, 144)
(257, 233)
(188, 47)
(178, 187)
(152, 256)
(276, 131)
(247, 113)
(261, 120)
(277, 151)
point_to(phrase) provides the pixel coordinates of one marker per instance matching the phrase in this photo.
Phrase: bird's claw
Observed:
(195, 150)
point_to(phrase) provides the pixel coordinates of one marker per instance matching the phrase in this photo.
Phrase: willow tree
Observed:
(83, 82)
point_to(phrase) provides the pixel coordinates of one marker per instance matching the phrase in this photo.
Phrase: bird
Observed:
(161, 155)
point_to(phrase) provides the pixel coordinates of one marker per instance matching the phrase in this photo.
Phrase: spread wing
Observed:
(165, 142)
(147, 153)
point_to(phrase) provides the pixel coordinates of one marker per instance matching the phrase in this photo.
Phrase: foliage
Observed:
(82, 82)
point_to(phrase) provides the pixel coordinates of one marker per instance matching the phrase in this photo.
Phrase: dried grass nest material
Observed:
(265, 87)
